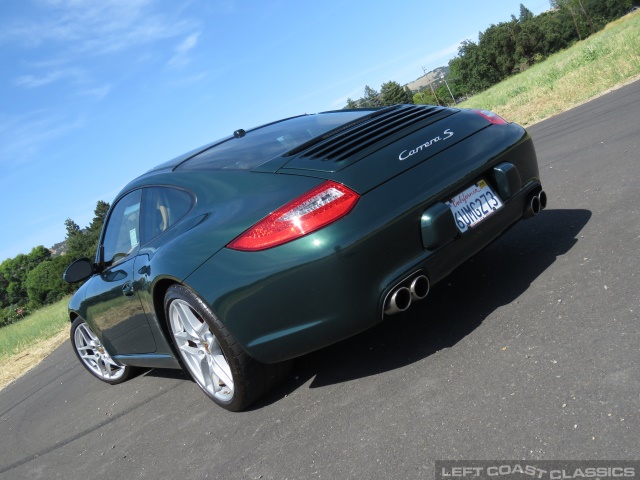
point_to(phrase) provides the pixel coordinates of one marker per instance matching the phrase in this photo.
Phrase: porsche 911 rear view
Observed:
(234, 259)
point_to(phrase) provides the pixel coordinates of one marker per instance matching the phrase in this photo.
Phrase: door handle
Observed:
(127, 289)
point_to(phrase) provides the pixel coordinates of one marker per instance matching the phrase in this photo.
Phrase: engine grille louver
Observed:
(350, 142)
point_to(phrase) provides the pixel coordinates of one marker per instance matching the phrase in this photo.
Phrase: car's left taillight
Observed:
(311, 211)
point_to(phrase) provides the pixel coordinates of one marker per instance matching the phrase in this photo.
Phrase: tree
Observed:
(100, 214)
(603, 11)
(94, 229)
(77, 241)
(37, 255)
(392, 93)
(529, 44)
(72, 228)
(472, 68)
(352, 103)
(570, 7)
(525, 14)
(586, 14)
(44, 283)
(13, 274)
(83, 243)
(425, 98)
(371, 98)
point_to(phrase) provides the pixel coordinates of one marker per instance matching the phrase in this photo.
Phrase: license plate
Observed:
(474, 205)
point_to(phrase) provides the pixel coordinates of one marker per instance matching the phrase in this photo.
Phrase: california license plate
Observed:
(474, 205)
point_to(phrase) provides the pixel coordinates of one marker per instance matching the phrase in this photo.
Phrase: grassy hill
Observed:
(588, 69)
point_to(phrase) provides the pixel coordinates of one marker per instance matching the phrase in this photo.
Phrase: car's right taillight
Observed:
(492, 117)
(311, 211)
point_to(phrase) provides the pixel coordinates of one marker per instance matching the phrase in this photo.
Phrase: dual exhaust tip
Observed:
(405, 293)
(535, 204)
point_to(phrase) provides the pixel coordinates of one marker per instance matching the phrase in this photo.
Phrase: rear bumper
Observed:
(444, 260)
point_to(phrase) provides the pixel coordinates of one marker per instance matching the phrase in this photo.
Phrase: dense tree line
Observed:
(511, 47)
(35, 279)
(505, 49)
(391, 93)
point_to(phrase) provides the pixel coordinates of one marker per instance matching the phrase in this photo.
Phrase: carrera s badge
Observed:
(404, 155)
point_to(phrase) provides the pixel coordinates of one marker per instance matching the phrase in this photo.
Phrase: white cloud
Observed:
(187, 80)
(181, 56)
(33, 81)
(353, 95)
(64, 41)
(21, 136)
(188, 43)
(98, 92)
(91, 27)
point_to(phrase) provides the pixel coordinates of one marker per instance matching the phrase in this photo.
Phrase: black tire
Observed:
(211, 355)
(94, 357)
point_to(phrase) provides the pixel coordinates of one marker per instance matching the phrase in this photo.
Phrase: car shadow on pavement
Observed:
(455, 307)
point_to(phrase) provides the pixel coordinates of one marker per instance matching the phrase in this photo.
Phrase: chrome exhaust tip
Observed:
(419, 287)
(542, 198)
(399, 301)
(532, 206)
(535, 203)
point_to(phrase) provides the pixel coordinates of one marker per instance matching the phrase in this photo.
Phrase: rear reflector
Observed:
(311, 211)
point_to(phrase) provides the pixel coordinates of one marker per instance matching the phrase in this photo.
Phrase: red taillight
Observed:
(311, 211)
(492, 117)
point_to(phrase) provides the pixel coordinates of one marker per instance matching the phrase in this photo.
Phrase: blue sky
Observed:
(95, 92)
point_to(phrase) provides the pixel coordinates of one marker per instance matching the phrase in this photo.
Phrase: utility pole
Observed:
(424, 69)
(445, 82)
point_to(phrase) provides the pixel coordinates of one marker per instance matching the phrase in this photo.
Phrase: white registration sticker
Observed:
(474, 205)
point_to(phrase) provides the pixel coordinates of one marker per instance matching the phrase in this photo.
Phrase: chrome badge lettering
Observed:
(408, 153)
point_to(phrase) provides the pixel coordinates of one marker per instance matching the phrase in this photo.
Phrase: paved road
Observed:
(529, 351)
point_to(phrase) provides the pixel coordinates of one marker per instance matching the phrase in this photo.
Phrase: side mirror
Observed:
(78, 271)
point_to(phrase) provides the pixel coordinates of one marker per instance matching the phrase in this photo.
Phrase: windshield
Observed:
(264, 143)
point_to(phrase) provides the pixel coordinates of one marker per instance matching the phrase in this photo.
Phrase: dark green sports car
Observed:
(235, 258)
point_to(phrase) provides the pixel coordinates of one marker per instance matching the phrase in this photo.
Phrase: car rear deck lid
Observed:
(347, 147)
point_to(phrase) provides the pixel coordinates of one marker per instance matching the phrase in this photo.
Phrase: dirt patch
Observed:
(19, 364)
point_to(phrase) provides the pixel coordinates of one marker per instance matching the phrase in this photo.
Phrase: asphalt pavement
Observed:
(529, 351)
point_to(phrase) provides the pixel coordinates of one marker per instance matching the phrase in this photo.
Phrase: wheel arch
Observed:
(159, 292)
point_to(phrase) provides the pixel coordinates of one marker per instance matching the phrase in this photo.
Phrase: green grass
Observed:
(603, 61)
(37, 327)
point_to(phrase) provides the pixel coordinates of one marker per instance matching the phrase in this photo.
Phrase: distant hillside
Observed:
(59, 249)
(432, 77)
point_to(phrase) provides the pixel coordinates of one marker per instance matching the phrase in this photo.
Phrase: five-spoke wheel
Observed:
(200, 350)
(93, 355)
(211, 354)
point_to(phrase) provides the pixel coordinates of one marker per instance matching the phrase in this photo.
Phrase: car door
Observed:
(162, 207)
(113, 303)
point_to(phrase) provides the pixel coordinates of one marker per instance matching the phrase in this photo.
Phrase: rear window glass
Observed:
(264, 143)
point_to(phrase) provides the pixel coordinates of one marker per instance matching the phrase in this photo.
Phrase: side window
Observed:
(122, 234)
(163, 206)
